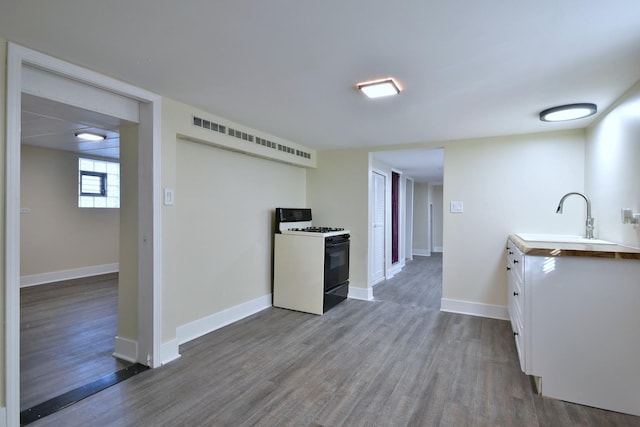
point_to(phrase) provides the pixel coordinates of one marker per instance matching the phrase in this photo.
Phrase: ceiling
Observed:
(53, 125)
(289, 68)
(423, 165)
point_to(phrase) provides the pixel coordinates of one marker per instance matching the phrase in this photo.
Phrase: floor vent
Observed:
(216, 127)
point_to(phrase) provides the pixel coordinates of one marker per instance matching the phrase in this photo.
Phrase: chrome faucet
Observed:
(590, 220)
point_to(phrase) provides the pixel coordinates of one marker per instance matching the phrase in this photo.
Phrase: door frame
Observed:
(149, 173)
(385, 226)
(408, 191)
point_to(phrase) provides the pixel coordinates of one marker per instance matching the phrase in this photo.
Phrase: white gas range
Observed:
(311, 264)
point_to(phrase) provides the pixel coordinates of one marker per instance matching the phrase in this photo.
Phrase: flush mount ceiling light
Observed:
(568, 112)
(88, 136)
(379, 88)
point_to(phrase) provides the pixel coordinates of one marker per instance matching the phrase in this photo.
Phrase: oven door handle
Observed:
(335, 245)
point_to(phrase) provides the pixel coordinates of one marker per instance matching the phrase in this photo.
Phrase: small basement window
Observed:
(93, 184)
(98, 184)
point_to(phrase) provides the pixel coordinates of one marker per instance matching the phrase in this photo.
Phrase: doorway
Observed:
(24, 68)
(69, 272)
(421, 170)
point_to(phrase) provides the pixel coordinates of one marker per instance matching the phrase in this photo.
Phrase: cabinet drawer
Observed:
(516, 293)
(518, 335)
(511, 285)
(515, 259)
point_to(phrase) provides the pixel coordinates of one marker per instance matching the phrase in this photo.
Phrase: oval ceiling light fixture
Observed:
(89, 136)
(568, 112)
(379, 88)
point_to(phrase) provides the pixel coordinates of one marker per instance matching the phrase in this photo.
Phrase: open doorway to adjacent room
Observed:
(35, 78)
(70, 245)
(416, 204)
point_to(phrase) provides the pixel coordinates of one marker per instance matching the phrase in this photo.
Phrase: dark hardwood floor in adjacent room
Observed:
(67, 332)
(396, 361)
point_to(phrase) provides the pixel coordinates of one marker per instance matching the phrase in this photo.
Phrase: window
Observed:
(98, 184)
(93, 184)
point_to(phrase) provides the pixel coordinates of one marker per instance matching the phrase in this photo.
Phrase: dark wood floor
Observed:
(392, 362)
(67, 332)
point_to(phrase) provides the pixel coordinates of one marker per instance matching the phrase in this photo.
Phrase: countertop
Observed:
(596, 250)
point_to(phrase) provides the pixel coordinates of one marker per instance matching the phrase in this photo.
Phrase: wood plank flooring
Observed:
(67, 332)
(418, 285)
(391, 362)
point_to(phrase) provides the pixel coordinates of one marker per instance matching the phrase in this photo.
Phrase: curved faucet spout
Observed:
(590, 221)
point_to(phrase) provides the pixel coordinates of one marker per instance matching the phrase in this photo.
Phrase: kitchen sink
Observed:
(561, 238)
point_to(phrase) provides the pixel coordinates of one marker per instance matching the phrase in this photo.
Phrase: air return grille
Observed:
(197, 121)
(216, 127)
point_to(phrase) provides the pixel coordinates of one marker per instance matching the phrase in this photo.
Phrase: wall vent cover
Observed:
(243, 136)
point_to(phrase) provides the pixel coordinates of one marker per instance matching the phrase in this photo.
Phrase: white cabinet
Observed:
(515, 267)
(576, 321)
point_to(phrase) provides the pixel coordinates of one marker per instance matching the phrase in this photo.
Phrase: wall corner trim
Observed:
(474, 309)
(126, 349)
(365, 294)
(203, 326)
(169, 351)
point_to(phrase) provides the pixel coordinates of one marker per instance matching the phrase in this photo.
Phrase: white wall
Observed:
(437, 195)
(129, 241)
(57, 235)
(510, 184)
(3, 144)
(421, 219)
(337, 192)
(225, 205)
(217, 238)
(613, 169)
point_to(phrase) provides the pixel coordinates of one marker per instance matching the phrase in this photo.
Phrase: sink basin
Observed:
(561, 238)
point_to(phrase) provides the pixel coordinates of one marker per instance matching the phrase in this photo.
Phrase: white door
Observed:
(377, 271)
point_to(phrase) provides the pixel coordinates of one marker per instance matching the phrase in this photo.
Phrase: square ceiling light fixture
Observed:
(379, 88)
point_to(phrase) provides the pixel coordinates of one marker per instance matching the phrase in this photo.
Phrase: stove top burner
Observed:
(317, 229)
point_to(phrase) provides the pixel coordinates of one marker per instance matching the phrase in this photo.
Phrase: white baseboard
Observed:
(474, 309)
(76, 273)
(395, 269)
(200, 327)
(421, 252)
(380, 280)
(437, 249)
(126, 349)
(361, 293)
(169, 351)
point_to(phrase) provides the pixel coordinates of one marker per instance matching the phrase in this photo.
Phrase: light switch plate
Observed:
(457, 207)
(168, 196)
